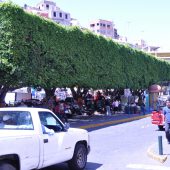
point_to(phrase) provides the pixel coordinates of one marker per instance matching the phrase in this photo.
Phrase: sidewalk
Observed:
(99, 120)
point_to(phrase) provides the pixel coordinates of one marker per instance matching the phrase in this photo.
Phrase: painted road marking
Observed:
(148, 167)
(146, 126)
(113, 122)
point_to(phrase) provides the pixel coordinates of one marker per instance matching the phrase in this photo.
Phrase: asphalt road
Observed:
(122, 147)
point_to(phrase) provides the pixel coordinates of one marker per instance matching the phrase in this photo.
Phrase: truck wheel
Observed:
(79, 160)
(160, 127)
(6, 166)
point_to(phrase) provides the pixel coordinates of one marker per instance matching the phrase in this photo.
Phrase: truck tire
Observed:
(6, 166)
(79, 160)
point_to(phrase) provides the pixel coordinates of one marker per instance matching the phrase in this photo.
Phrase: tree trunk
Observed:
(3, 91)
(49, 92)
(73, 92)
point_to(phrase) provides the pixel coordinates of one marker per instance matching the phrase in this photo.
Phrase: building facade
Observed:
(48, 9)
(104, 27)
(162, 55)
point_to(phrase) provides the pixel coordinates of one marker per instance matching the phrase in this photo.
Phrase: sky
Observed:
(136, 19)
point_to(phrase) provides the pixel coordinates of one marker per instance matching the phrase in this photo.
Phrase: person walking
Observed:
(166, 112)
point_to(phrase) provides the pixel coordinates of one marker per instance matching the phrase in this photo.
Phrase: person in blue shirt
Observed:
(166, 112)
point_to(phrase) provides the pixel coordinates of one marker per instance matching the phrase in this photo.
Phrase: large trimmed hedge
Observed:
(36, 51)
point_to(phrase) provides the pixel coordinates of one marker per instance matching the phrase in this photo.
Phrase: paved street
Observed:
(122, 147)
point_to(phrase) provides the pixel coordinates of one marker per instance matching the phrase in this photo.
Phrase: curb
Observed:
(151, 153)
(113, 122)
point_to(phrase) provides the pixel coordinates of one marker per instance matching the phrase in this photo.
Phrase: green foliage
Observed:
(38, 52)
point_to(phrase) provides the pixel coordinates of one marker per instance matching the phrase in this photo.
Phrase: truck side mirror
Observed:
(66, 126)
(51, 133)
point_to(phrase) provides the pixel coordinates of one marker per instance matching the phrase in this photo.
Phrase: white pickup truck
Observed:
(34, 138)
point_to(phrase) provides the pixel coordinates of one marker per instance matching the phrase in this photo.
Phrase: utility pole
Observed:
(128, 29)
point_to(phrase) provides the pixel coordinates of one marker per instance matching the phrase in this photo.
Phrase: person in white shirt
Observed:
(116, 105)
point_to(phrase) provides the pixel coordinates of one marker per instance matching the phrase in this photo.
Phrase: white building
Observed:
(48, 9)
(104, 27)
(75, 22)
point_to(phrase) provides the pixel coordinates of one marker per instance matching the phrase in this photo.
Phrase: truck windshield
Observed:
(16, 120)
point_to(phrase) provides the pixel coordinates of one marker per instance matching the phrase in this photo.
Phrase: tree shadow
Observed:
(160, 130)
(63, 166)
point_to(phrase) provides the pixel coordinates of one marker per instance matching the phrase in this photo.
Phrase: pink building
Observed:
(104, 27)
(37, 11)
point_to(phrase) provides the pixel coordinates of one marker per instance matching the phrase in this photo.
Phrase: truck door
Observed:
(57, 147)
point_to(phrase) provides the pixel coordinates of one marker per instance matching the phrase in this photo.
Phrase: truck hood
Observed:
(77, 130)
(79, 134)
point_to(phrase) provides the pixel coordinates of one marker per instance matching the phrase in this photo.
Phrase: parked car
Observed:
(34, 138)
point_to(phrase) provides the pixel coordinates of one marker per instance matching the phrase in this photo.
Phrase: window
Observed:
(66, 16)
(60, 14)
(16, 120)
(97, 23)
(47, 6)
(108, 26)
(48, 120)
(92, 25)
(104, 25)
(54, 14)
